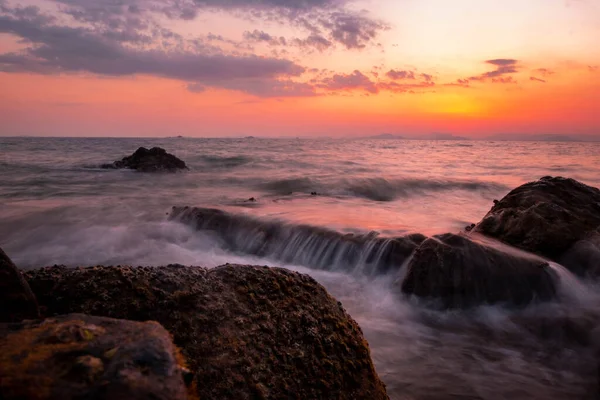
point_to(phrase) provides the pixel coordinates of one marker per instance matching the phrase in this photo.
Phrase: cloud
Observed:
(533, 78)
(267, 88)
(54, 49)
(506, 79)
(543, 71)
(312, 41)
(329, 19)
(459, 82)
(315, 41)
(400, 74)
(261, 36)
(196, 87)
(504, 66)
(343, 82)
(427, 77)
(353, 30)
(593, 68)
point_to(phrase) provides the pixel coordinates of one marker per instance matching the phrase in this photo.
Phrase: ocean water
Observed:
(58, 207)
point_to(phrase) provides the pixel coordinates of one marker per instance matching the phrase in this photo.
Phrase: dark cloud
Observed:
(327, 19)
(315, 41)
(352, 30)
(265, 88)
(504, 79)
(533, 78)
(261, 36)
(343, 82)
(543, 71)
(503, 62)
(459, 82)
(396, 87)
(62, 49)
(504, 66)
(427, 77)
(400, 74)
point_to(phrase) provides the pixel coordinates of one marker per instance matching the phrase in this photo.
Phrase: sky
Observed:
(338, 68)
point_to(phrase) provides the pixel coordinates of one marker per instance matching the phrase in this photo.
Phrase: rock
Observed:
(306, 245)
(545, 217)
(17, 302)
(154, 160)
(583, 258)
(456, 272)
(246, 332)
(81, 357)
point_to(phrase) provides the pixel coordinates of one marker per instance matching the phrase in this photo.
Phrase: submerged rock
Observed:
(545, 217)
(155, 159)
(247, 332)
(81, 357)
(583, 258)
(17, 302)
(303, 244)
(456, 272)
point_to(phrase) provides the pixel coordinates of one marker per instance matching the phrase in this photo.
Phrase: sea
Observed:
(57, 206)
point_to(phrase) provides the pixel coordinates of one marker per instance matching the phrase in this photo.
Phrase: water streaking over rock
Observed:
(301, 244)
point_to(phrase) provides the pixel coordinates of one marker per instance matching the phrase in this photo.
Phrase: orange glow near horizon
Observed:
(453, 83)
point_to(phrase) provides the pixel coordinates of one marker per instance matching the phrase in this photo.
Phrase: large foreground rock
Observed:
(82, 357)
(454, 271)
(546, 217)
(17, 302)
(247, 332)
(155, 159)
(307, 245)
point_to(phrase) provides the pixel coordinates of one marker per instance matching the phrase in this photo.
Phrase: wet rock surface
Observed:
(81, 357)
(246, 332)
(455, 272)
(302, 244)
(545, 217)
(17, 302)
(155, 159)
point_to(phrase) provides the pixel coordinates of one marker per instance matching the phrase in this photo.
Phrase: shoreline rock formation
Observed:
(155, 159)
(546, 217)
(455, 272)
(17, 302)
(79, 356)
(246, 332)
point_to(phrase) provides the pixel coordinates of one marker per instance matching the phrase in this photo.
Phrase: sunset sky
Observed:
(299, 67)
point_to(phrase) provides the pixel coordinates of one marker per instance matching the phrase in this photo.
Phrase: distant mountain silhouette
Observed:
(521, 137)
(386, 136)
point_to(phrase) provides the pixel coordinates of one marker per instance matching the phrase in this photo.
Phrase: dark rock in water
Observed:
(246, 332)
(252, 200)
(81, 357)
(583, 258)
(302, 244)
(458, 273)
(154, 160)
(17, 302)
(545, 217)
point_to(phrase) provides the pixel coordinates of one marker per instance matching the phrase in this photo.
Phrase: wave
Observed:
(226, 162)
(377, 189)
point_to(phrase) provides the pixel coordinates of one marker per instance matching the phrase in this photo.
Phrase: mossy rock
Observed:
(246, 332)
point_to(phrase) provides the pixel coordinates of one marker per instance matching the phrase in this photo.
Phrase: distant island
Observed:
(388, 136)
(520, 137)
(431, 136)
